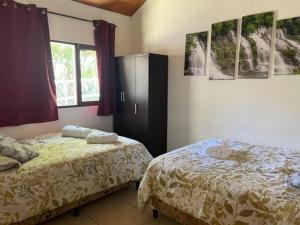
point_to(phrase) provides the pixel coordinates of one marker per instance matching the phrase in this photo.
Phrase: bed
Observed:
(68, 173)
(248, 188)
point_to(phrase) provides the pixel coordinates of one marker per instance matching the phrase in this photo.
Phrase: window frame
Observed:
(78, 47)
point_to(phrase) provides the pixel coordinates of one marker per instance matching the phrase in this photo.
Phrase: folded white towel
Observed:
(100, 137)
(220, 151)
(75, 131)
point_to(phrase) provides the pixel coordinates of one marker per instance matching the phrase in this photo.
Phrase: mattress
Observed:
(67, 170)
(248, 188)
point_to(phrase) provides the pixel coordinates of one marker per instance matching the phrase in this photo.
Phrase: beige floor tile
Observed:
(128, 195)
(101, 205)
(119, 208)
(162, 220)
(123, 214)
(69, 219)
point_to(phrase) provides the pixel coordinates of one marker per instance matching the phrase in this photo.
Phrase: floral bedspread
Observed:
(248, 188)
(67, 170)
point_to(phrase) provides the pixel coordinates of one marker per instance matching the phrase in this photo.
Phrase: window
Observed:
(89, 75)
(64, 63)
(76, 75)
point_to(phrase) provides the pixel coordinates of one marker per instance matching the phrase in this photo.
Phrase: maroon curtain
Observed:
(105, 48)
(27, 89)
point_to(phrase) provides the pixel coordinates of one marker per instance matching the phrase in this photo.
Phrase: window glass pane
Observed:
(63, 57)
(89, 76)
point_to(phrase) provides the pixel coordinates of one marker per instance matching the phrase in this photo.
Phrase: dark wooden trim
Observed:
(82, 104)
(79, 106)
(68, 106)
(123, 11)
(78, 75)
(64, 42)
(78, 48)
(86, 47)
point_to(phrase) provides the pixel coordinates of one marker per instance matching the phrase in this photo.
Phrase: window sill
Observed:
(81, 105)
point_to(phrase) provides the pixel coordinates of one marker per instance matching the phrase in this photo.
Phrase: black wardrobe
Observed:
(142, 99)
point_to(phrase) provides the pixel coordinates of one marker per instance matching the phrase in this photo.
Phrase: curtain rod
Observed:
(72, 17)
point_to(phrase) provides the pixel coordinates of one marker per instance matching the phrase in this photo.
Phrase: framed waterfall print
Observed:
(195, 53)
(223, 50)
(255, 48)
(287, 53)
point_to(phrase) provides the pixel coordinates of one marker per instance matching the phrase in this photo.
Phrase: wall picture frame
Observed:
(223, 50)
(195, 53)
(255, 47)
(287, 50)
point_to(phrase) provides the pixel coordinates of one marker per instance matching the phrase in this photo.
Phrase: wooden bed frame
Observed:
(173, 213)
(74, 205)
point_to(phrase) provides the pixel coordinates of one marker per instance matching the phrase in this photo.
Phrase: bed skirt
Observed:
(175, 214)
(58, 211)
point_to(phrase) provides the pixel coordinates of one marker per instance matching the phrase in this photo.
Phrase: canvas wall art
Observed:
(287, 54)
(195, 53)
(223, 50)
(255, 46)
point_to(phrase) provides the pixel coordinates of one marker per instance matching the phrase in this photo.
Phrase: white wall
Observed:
(70, 30)
(260, 111)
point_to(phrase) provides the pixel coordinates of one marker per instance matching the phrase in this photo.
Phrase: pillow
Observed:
(99, 137)
(8, 163)
(75, 131)
(11, 148)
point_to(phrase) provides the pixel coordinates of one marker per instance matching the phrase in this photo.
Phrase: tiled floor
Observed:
(119, 208)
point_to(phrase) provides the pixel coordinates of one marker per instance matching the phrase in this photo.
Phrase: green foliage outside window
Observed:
(64, 63)
(89, 76)
(88, 62)
(63, 60)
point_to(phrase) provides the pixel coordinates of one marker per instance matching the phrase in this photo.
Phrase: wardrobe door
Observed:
(141, 108)
(158, 102)
(119, 115)
(125, 75)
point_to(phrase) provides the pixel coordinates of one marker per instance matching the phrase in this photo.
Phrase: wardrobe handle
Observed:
(121, 96)
(135, 108)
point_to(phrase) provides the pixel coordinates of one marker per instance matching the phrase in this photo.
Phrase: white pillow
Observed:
(75, 131)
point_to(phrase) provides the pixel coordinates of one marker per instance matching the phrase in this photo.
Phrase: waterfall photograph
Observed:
(255, 46)
(223, 50)
(287, 54)
(195, 53)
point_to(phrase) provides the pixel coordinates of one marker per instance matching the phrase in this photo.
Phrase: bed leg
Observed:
(137, 185)
(76, 212)
(155, 213)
